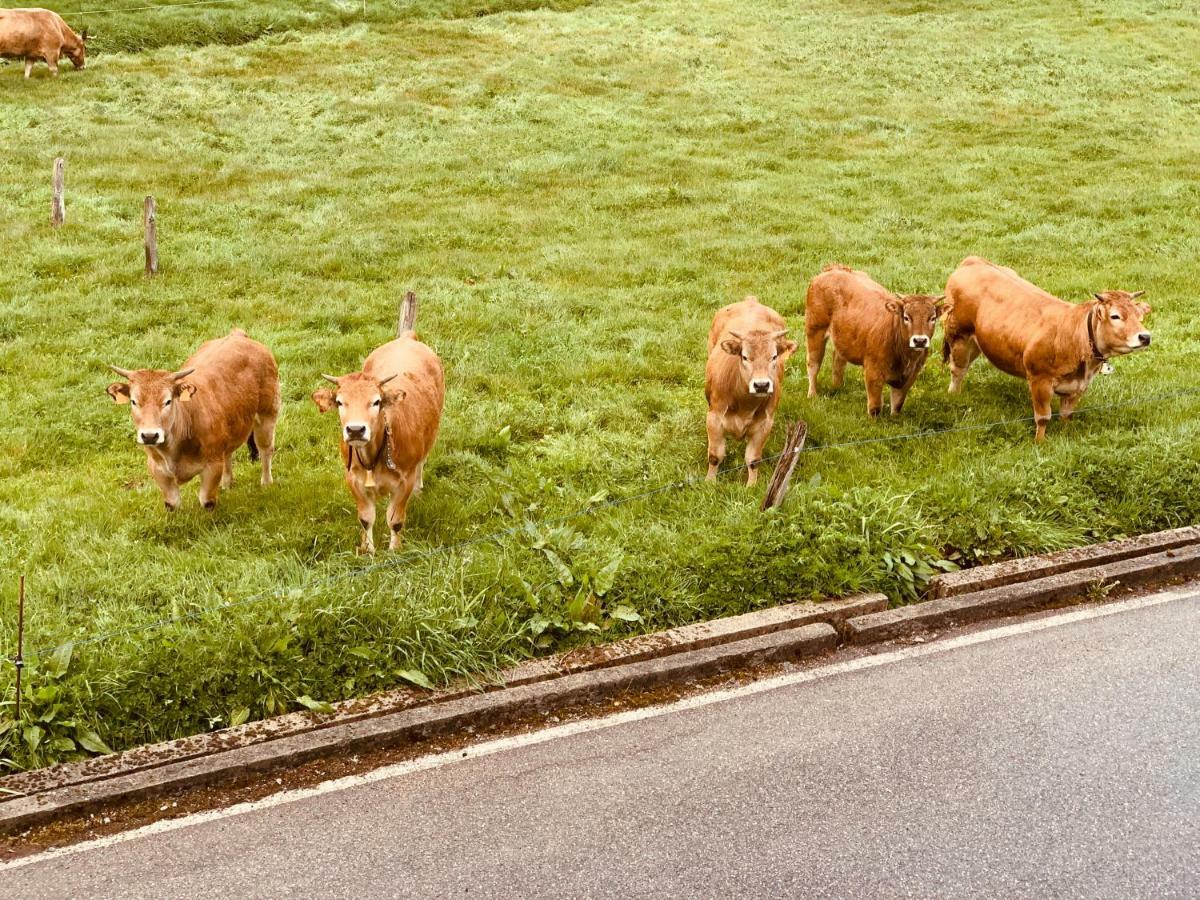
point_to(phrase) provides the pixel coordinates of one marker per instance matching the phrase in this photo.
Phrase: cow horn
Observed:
(736, 336)
(124, 373)
(329, 378)
(775, 335)
(182, 373)
(384, 381)
(1100, 297)
(1136, 294)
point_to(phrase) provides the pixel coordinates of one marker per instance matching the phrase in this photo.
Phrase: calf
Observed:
(189, 422)
(34, 34)
(389, 412)
(1057, 347)
(889, 336)
(743, 380)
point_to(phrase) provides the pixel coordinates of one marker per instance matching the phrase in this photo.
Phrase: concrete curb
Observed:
(1009, 599)
(1013, 571)
(420, 723)
(584, 659)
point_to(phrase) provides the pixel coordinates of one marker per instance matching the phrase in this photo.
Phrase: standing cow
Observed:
(889, 336)
(191, 421)
(743, 381)
(1057, 347)
(389, 412)
(34, 34)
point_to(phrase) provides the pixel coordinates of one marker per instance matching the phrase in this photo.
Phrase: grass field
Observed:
(572, 190)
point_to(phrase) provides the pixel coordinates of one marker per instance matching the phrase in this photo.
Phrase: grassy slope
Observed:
(572, 194)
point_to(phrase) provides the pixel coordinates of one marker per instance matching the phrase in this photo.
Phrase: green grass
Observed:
(572, 192)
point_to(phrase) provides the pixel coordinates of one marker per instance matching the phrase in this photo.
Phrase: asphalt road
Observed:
(1060, 762)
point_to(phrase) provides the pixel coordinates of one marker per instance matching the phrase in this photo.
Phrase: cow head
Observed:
(153, 397)
(360, 401)
(762, 355)
(76, 51)
(1117, 322)
(916, 319)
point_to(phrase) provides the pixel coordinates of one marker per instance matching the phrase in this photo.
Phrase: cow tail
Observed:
(408, 315)
(252, 446)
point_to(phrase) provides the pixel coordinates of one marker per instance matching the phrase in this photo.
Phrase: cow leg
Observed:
(716, 444)
(167, 485)
(1066, 407)
(1041, 392)
(28, 66)
(420, 477)
(366, 515)
(52, 62)
(874, 391)
(838, 369)
(899, 395)
(227, 473)
(210, 483)
(264, 438)
(397, 510)
(963, 351)
(816, 356)
(755, 442)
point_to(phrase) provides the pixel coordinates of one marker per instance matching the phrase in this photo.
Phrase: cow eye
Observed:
(167, 402)
(1116, 317)
(337, 401)
(132, 402)
(378, 402)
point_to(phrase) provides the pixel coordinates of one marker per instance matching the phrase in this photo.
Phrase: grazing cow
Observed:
(389, 412)
(743, 380)
(888, 336)
(191, 421)
(34, 34)
(1057, 347)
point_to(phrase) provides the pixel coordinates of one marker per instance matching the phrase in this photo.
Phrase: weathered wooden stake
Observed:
(58, 206)
(19, 659)
(150, 220)
(782, 476)
(408, 313)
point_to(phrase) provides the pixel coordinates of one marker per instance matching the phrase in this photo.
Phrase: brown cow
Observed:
(888, 336)
(1057, 347)
(743, 380)
(390, 412)
(192, 427)
(35, 34)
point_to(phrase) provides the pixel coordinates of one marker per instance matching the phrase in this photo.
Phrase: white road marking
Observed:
(434, 761)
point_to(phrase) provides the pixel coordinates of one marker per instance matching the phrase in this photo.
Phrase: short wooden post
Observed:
(58, 206)
(19, 659)
(408, 313)
(782, 476)
(150, 220)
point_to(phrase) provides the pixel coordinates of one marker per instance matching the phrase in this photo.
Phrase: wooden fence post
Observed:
(408, 313)
(19, 659)
(58, 206)
(150, 220)
(782, 476)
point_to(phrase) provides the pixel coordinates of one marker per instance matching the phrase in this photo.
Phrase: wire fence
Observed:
(589, 509)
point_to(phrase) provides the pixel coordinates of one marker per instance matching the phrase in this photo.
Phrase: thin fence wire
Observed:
(588, 510)
(155, 7)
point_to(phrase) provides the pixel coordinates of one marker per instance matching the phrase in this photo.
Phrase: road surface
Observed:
(1060, 760)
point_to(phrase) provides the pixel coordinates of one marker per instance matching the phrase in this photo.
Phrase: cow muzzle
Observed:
(918, 342)
(356, 432)
(1142, 339)
(762, 386)
(151, 437)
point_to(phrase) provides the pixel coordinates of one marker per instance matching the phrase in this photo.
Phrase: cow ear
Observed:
(1143, 308)
(119, 391)
(732, 347)
(787, 348)
(324, 399)
(895, 307)
(185, 391)
(396, 395)
(940, 307)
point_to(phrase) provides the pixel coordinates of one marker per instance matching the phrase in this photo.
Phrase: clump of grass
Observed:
(572, 195)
